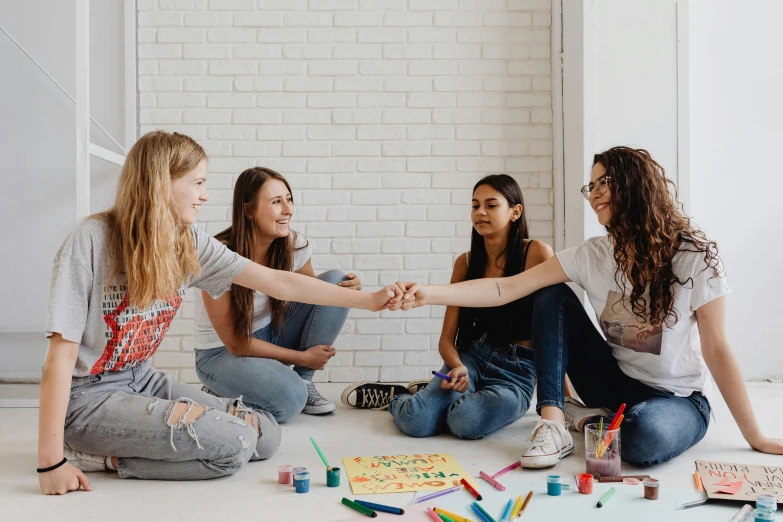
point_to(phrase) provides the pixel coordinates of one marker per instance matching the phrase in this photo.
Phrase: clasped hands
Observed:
(401, 295)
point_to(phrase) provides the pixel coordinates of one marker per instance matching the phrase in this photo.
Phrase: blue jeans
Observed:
(499, 392)
(658, 425)
(268, 384)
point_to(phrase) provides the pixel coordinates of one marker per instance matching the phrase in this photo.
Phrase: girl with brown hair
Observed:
(657, 286)
(246, 341)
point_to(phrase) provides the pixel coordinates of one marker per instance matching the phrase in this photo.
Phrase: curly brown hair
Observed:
(648, 227)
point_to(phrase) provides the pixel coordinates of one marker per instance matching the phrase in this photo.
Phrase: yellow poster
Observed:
(404, 473)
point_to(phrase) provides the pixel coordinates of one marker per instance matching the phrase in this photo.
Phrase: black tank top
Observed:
(500, 326)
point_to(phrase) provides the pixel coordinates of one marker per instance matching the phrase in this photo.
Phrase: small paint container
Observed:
(285, 473)
(297, 469)
(767, 501)
(302, 481)
(651, 487)
(333, 477)
(585, 483)
(553, 485)
(763, 515)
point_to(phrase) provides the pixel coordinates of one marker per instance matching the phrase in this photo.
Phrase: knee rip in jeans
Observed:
(244, 416)
(186, 412)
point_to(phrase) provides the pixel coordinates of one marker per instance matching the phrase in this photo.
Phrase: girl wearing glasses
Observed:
(657, 285)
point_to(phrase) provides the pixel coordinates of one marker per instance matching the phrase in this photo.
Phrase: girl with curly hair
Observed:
(657, 285)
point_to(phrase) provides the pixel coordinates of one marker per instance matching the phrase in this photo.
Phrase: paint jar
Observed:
(302, 481)
(553, 485)
(651, 487)
(298, 469)
(600, 460)
(285, 473)
(333, 477)
(767, 501)
(763, 515)
(585, 481)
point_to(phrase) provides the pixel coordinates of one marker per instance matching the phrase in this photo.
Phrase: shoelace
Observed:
(376, 399)
(541, 433)
(313, 396)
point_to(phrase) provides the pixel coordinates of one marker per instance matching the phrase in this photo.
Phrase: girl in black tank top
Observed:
(492, 374)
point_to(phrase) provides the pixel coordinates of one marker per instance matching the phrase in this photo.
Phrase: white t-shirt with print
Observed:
(667, 358)
(204, 334)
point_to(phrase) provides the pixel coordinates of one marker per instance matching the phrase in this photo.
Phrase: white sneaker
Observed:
(575, 412)
(551, 442)
(85, 461)
(316, 403)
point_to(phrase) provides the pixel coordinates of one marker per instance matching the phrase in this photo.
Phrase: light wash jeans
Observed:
(499, 392)
(267, 384)
(657, 426)
(127, 415)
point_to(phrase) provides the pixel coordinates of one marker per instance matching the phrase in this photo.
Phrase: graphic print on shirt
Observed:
(622, 328)
(133, 335)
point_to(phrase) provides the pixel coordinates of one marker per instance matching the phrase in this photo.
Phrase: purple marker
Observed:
(442, 376)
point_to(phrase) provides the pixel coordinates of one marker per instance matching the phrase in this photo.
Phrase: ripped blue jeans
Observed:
(131, 415)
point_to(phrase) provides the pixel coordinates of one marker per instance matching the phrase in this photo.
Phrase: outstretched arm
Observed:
(289, 286)
(723, 365)
(487, 292)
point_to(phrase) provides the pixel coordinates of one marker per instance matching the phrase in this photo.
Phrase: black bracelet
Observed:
(52, 468)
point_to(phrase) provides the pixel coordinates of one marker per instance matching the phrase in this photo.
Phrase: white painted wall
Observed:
(736, 175)
(38, 147)
(382, 113)
(620, 72)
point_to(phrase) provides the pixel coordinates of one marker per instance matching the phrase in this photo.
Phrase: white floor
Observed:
(253, 493)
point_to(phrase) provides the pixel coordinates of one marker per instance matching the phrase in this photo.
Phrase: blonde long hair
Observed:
(147, 240)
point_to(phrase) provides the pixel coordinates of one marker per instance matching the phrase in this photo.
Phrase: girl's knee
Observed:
(552, 295)
(269, 435)
(291, 402)
(412, 421)
(463, 423)
(333, 276)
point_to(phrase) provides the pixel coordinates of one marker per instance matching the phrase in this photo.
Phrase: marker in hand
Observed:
(442, 376)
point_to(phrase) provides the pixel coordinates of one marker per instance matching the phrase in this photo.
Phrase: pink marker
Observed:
(495, 483)
(507, 469)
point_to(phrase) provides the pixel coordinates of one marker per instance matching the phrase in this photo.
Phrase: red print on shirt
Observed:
(135, 334)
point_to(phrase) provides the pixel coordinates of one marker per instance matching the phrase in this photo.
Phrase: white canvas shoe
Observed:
(551, 442)
(85, 461)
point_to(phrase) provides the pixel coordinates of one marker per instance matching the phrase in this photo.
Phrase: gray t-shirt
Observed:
(113, 336)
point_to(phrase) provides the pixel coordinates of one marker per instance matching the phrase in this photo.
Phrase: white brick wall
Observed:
(381, 113)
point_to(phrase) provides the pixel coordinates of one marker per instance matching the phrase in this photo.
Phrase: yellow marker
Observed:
(452, 516)
(517, 507)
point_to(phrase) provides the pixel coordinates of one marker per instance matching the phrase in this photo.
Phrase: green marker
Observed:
(321, 454)
(605, 498)
(444, 518)
(358, 507)
(483, 512)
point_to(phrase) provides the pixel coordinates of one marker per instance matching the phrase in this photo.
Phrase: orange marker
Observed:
(471, 489)
(525, 503)
(697, 479)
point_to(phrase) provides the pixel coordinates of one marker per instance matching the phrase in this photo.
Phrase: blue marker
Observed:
(380, 507)
(442, 376)
(507, 512)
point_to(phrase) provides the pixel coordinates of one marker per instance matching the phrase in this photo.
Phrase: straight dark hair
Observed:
(517, 232)
(240, 237)
(478, 262)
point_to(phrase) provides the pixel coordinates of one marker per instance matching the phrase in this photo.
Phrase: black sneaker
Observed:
(371, 395)
(416, 386)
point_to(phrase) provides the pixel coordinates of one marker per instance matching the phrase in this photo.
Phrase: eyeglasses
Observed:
(600, 185)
